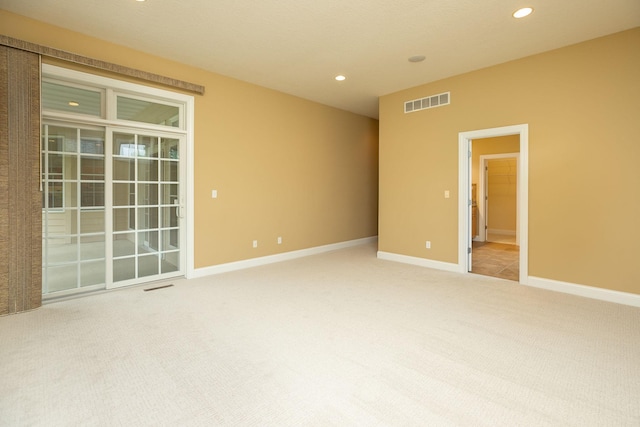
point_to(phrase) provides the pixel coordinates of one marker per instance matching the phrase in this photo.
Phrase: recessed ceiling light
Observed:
(340, 78)
(73, 103)
(417, 58)
(521, 13)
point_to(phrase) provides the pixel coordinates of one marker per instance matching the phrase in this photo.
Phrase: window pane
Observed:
(170, 262)
(62, 250)
(123, 194)
(92, 141)
(92, 247)
(147, 194)
(122, 219)
(147, 242)
(169, 217)
(124, 144)
(169, 171)
(169, 194)
(124, 269)
(169, 148)
(147, 218)
(148, 112)
(71, 99)
(147, 170)
(123, 169)
(92, 273)
(123, 245)
(148, 265)
(92, 221)
(62, 139)
(170, 240)
(92, 194)
(62, 278)
(92, 168)
(147, 146)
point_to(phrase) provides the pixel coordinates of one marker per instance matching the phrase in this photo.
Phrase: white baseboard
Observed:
(422, 262)
(586, 291)
(286, 256)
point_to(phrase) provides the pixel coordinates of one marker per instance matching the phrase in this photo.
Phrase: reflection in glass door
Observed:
(73, 215)
(146, 207)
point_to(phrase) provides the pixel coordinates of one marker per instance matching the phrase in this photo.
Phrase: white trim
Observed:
(422, 262)
(271, 259)
(464, 196)
(190, 225)
(586, 291)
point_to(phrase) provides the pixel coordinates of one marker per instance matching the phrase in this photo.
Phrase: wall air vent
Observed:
(429, 102)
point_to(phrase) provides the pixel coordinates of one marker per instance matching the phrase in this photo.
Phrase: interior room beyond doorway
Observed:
(495, 250)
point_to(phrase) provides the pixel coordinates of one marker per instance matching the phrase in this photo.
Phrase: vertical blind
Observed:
(20, 196)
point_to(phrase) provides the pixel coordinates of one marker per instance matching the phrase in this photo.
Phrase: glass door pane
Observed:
(146, 198)
(73, 209)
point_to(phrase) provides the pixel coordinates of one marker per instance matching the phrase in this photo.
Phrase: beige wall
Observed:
(502, 190)
(582, 105)
(283, 166)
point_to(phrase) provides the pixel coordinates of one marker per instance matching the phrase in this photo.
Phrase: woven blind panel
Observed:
(20, 196)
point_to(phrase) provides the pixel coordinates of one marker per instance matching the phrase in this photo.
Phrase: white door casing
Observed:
(464, 191)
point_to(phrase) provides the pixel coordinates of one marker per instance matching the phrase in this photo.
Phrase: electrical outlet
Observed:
(255, 243)
(214, 194)
(279, 240)
(428, 244)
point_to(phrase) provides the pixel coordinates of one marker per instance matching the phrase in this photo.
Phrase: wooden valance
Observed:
(98, 64)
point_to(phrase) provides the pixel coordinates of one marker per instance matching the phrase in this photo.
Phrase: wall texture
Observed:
(283, 166)
(582, 105)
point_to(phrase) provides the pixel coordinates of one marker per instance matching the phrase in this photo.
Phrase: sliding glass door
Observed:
(114, 182)
(147, 213)
(112, 207)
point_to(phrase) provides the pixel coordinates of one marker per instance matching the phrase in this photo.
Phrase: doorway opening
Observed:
(475, 227)
(494, 171)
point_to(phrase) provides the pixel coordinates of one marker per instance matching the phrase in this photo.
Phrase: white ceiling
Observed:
(298, 46)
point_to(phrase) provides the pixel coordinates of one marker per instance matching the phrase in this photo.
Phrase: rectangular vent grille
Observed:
(428, 102)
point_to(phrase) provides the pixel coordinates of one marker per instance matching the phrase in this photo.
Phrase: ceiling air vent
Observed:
(428, 102)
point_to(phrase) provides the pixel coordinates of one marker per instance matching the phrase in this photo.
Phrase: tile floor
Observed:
(496, 259)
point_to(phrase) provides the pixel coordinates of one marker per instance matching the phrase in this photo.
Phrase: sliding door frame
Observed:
(114, 88)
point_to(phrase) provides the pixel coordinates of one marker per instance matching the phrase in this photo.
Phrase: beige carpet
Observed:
(338, 339)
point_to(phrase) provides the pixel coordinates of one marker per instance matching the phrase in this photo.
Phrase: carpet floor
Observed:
(336, 339)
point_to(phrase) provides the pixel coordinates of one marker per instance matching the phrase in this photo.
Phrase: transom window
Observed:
(74, 99)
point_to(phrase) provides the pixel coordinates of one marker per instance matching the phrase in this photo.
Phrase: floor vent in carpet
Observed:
(158, 287)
